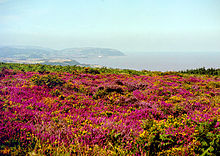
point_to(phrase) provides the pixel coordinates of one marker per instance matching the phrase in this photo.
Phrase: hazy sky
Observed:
(127, 25)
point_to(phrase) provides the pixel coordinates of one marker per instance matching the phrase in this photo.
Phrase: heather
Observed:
(70, 110)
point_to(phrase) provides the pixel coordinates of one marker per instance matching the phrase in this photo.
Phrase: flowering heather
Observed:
(82, 113)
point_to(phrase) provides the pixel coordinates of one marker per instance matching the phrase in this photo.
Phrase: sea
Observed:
(157, 61)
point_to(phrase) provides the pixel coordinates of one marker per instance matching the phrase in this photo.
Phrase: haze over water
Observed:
(159, 61)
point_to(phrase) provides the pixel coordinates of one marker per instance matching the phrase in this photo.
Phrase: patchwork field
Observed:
(86, 111)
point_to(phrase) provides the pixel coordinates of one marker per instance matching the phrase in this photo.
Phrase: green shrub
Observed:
(91, 70)
(48, 80)
(202, 71)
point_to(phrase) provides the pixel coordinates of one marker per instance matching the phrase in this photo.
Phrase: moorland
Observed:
(72, 110)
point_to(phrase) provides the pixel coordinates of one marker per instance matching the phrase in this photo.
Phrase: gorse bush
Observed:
(48, 80)
(91, 70)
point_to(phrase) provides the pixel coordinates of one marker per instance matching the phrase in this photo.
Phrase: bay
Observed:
(158, 61)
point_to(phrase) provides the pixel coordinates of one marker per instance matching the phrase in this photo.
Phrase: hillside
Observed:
(31, 52)
(60, 110)
(23, 52)
(33, 55)
(91, 52)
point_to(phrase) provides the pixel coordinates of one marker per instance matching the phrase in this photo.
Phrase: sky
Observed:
(126, 25)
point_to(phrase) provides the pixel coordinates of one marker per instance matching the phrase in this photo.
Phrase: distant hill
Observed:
(24, 52)
(33, 54)
(91, 52)
(30, 52)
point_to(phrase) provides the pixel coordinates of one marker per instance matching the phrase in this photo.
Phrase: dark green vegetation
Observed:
(58, 68)
(203, 71)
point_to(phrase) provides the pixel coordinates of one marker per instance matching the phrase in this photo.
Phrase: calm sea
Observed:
(158, 61)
